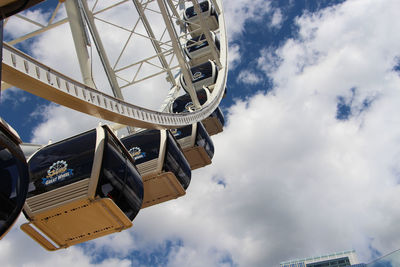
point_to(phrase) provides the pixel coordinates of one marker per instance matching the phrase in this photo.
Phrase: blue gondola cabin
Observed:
(81, 188)
(198, 50)
(196, 144)
(160, 161)
(213, 124)
(203, 75)
(209, 15)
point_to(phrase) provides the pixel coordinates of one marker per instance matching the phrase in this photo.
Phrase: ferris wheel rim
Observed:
(16, 66)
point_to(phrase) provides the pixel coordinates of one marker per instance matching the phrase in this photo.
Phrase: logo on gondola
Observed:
(137, 153)
(57, 172)
(176, 132)
(197, 76)
(189, 106)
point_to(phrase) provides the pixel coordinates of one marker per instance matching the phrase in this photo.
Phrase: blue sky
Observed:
(307, 163)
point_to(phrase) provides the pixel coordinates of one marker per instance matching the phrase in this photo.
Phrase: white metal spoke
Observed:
(53, 16)
(30, 21)
(108, 8)
(135, 81)
(154, 42)
(99, 45)
(37, 32)
(80, 40)
(179, 52)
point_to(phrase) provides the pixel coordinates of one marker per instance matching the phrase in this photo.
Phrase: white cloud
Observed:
(277, 19)
(248, 77)
(237, 13)
(14, 95)
(269, 61)
(16, 27)
(298, 181)
(60, 123)
(233, 56)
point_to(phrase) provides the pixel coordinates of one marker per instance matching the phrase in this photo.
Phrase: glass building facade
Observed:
(339, 259)
(347, 258)
(341, 262)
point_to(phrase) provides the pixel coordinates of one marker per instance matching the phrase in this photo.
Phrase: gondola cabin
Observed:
(14, 177)
(198, 49)
(203, 75)
(81, 188)
(209, 15)
(196, 144)
(213, 124)
(165, 171)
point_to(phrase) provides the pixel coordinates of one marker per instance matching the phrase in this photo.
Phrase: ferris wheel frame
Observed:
(25, 72)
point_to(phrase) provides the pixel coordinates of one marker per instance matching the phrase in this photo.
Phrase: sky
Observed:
(307, 164)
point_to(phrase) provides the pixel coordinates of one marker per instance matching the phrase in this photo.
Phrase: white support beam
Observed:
(176, 13)
(154, 42)
(80, 38)
(216, 6)
(179, 53)
(135, 81)
(100, 49)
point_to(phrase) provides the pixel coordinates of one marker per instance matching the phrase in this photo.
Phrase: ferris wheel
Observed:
(157, 65)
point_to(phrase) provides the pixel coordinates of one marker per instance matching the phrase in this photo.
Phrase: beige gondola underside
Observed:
(76, 222)
(212, 125)
(161, 188)
(197, 157)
